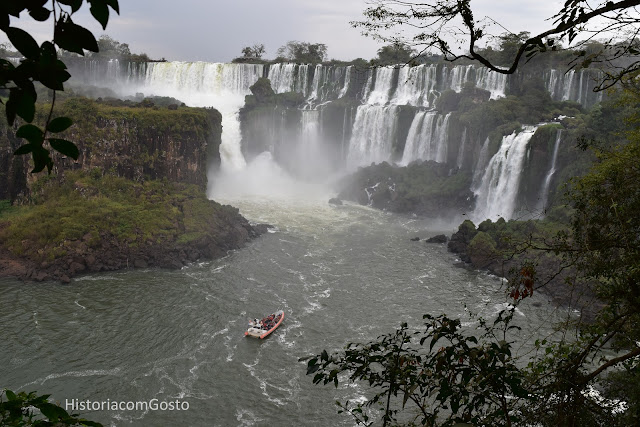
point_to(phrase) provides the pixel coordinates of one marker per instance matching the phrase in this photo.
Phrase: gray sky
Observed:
(216, 30)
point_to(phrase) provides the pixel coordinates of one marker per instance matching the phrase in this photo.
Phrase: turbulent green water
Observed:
(340, 274)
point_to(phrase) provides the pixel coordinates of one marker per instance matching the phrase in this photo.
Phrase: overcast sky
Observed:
(217, 30)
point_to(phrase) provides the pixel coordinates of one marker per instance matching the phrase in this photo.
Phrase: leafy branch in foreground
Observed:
(20, 410)
(40, 64)
(439, 376)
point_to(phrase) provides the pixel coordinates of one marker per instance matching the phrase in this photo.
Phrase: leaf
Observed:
(75, 4)
(40, 14)
(11, 395)
(100, 11)
(65, 147)
(74, 38)
(23, 41)
(114, 5)
(52, 412)
(24, 149)
(31, 133)
(59, 124)
(41, 159)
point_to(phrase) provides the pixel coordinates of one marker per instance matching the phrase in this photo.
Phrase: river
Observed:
(340, 273)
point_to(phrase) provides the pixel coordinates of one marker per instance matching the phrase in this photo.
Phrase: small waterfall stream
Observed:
(544, 193)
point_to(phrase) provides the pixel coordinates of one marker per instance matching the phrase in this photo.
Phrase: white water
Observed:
(462, 149)
(574, 86)
(416, 86)
(427, 138)
(289, 78)
(498, 189)
(201, 84)
(544, 194)
(492, 81)
(373, 131)
(380, 93)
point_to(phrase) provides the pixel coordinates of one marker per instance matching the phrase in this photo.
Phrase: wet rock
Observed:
(415, 239)
(140, 263)
(76, 267)
(335, 201)
(440, 238)
(262, 228)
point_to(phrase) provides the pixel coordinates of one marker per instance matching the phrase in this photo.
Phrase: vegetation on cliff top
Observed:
(426, 188)
(86, 205)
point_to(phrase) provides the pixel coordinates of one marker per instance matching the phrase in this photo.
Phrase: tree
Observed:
(41, 64)
(110, 48)
(442, 22)
(18, 410)
(303, 52)
(446, 375)
(255, 51)
(395, 53)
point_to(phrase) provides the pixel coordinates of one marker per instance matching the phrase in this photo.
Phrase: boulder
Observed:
(440, 238)
(335, 201)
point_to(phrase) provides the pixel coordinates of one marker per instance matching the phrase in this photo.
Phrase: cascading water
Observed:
(347, 81)
(202, 84)
(461, 150)
(427, 138)
(481, 164)
(492, 81)
(311, 160)
(379, 92)
(373, 132)
(289, 78)
(574, 86)
(500, 183)
(544, 193)
(416, 86)
(456, 77)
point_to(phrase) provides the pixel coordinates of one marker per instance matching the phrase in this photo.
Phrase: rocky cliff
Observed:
(139, 143)
(134, 198)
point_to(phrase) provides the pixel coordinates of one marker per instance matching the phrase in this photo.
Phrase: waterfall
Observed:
(347, 81)
(372, 136)
(481, 164)
(544, 194)
(574, 86)
(492, 81)
(202, 84)
(289, 78)
(461, 150)
(427, 138)
(551, 82)
(310, 159)
(501, 180)
(380, 92)
(416, 85)
(458, 76)
(319, 80)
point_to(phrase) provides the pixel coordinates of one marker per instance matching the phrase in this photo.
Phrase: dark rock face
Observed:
(335, 201)
(440, 238)
(460, 240)
(424, 188)
(139, 144)
(484, 248)
(135, 143)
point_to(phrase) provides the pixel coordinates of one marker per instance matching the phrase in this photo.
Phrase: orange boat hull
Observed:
(266, 333)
